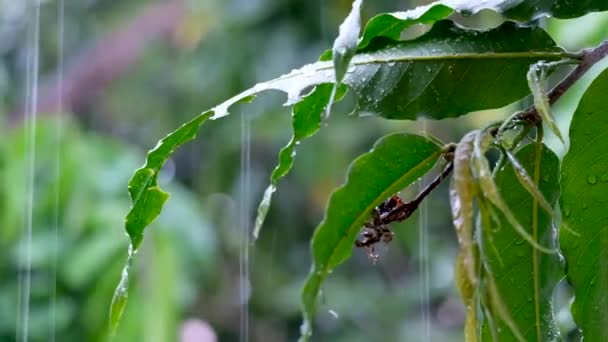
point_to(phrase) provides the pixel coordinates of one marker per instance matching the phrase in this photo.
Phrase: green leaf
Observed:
(561, 9)
(537, 81)
(146, 196)
(395, 162)
(525, 277)
(491, 192)
(584, 197)
(425, 77)
(306, 122)
(391, 25)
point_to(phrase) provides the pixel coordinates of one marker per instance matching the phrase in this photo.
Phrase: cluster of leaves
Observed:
(504, 214)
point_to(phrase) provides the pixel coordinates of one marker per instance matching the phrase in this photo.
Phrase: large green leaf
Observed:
(584, 198)
(391, 25)
(525, 277)
(395, 162)
(433, 75)
(425, 77)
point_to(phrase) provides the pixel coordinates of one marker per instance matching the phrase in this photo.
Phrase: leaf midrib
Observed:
(326, 65)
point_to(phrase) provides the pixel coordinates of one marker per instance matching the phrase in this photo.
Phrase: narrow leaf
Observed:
(524, 277)
(306, 122)
(489, 189)
(538, 85)
(583, 201)
(462, 193)
(395, 162)
(468, 293)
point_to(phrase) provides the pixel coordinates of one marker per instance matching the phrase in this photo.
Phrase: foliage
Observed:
(503, 211)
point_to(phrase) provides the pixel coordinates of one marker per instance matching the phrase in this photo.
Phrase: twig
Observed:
(588, 58)
(405, 210)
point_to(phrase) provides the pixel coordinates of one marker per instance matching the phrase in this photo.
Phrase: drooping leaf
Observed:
(468, 293)
(583, 202)
(146, 196)
(537, 81)
(306, 122)
(395, 162)
(525, 277)
(391, 25)
(462, 193)
(490, 191)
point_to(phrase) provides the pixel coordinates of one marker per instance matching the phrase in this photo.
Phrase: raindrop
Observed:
(604, 177)
(592, 179)
(333, 313)
(567, 210)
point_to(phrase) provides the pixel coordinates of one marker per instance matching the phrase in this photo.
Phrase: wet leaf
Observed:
(468, 294)
(537, 82)
(423, 77)
(462, 193)
(306, 122)
(583, 202)
(396, 80)
(395, 162)
(488, 188)
(391, 25)
(563, 9)
(524, 277)
(146, 196)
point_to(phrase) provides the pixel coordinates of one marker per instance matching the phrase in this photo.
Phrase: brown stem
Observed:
(588, 58)
(405, 210)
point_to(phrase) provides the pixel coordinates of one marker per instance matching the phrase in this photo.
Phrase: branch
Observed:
(405, 210)
(588, 58)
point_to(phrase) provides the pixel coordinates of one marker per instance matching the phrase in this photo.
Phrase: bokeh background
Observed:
(124, 74)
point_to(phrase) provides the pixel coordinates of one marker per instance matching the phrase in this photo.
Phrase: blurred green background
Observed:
(132, 71)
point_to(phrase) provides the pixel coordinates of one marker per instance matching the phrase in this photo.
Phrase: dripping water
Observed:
(244, 223)
(31, 104)
(423, 259)
(57, 190)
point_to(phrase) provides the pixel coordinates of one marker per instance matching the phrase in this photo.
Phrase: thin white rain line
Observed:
(423, 260)
(244, 205)
(32, 69)
(58, 146)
